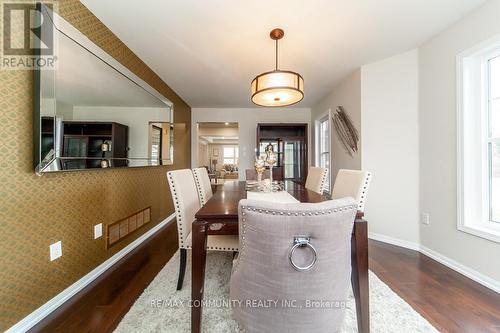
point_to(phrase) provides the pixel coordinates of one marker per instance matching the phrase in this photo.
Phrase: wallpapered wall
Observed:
(37, 211)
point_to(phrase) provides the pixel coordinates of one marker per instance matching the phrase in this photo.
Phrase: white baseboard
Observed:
(462, 269)
(450, 263)
(36, 316)
(394, 241)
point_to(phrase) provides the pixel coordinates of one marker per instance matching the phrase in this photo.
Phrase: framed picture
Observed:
(215, 152)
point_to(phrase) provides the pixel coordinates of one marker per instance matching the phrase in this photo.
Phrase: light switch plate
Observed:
(55, 250)
(98, 231)
(424, 218)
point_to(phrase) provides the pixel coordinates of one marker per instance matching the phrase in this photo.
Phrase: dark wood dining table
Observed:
(219, 216)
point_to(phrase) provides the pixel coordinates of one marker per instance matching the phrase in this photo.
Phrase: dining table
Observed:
(219, 216)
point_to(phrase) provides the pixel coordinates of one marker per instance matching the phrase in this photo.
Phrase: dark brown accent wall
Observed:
(37, 211)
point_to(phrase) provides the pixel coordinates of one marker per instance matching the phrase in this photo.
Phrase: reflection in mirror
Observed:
(93, 116)
(161, 136)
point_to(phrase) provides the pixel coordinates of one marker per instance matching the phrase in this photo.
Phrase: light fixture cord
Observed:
(276, 54)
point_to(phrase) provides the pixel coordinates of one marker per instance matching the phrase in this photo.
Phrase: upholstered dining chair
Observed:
(354, 184)
(203, 185)
(187, 203)
(316, 179)
(292, 253)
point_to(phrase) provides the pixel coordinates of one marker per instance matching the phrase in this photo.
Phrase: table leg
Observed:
(199, 232)
(359, 277)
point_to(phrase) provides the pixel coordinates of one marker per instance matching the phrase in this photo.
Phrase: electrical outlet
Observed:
(425, 218)
(55, 250)
(98, 231)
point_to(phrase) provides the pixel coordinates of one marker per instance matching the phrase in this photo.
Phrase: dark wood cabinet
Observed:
(83, 141)
(289, 141)
(47, 125)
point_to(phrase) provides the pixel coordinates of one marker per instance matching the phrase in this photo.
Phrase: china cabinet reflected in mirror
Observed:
(104, 144)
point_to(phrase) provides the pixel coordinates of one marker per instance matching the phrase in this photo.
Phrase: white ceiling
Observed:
(209, 51)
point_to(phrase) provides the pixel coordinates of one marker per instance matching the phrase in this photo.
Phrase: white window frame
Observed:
(473, 176)
(317, 146)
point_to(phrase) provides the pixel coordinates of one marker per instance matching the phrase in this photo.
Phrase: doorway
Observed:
(289, 141)
(218, 150)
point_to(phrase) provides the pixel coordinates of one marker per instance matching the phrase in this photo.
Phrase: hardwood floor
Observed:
(450, 301)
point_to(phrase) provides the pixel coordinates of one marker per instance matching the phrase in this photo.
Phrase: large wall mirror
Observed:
(93, 113)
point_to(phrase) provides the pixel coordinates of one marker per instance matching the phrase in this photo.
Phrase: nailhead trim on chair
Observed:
(323, 181)
(362, 197)
(242, 243)
(177, 210)
(297, 213)
(215, 248)
(199, 186)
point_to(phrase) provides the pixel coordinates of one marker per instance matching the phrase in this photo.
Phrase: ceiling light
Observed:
(277, 88)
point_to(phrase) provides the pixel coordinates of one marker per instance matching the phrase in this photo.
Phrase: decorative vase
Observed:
(259, 167)
(105, 146)
(271, 161)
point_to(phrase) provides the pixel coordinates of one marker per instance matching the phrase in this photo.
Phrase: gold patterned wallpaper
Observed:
(37, 211)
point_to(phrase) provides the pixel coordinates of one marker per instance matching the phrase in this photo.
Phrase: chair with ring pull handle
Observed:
(293, 271)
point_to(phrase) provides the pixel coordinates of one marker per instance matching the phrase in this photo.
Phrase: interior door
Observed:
(294, 159)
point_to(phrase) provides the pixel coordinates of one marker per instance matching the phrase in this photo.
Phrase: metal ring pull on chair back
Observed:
(302, 241)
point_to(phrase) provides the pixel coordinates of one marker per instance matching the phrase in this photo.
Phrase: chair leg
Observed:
(182, 268)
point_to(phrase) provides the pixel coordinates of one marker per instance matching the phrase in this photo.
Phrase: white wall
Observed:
(438, 142)
(137, 120)
(347, 94)
(382, 101)
(51, 107)
(247, 118)
(407, 107)
(203, 159)
(389, 123)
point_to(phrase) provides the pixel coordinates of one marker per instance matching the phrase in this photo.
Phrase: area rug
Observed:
(161, 308)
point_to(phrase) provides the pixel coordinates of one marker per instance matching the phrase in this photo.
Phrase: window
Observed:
(479, 140)
(230, 155)
(323, 146)
(493, 137)
(290, 160)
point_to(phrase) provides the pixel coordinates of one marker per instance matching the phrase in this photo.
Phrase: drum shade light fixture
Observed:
(277, 87)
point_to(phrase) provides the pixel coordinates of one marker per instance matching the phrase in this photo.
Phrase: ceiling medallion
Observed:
(277, 87)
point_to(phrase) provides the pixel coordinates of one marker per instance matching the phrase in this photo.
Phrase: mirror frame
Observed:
(60, 25)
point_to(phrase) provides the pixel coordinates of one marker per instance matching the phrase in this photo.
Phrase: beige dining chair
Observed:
(292, 253)
(316, 179)
(186, 204)
(203, 185)
(354, 184)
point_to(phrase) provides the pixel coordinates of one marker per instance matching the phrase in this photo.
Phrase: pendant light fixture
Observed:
(277, 87)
